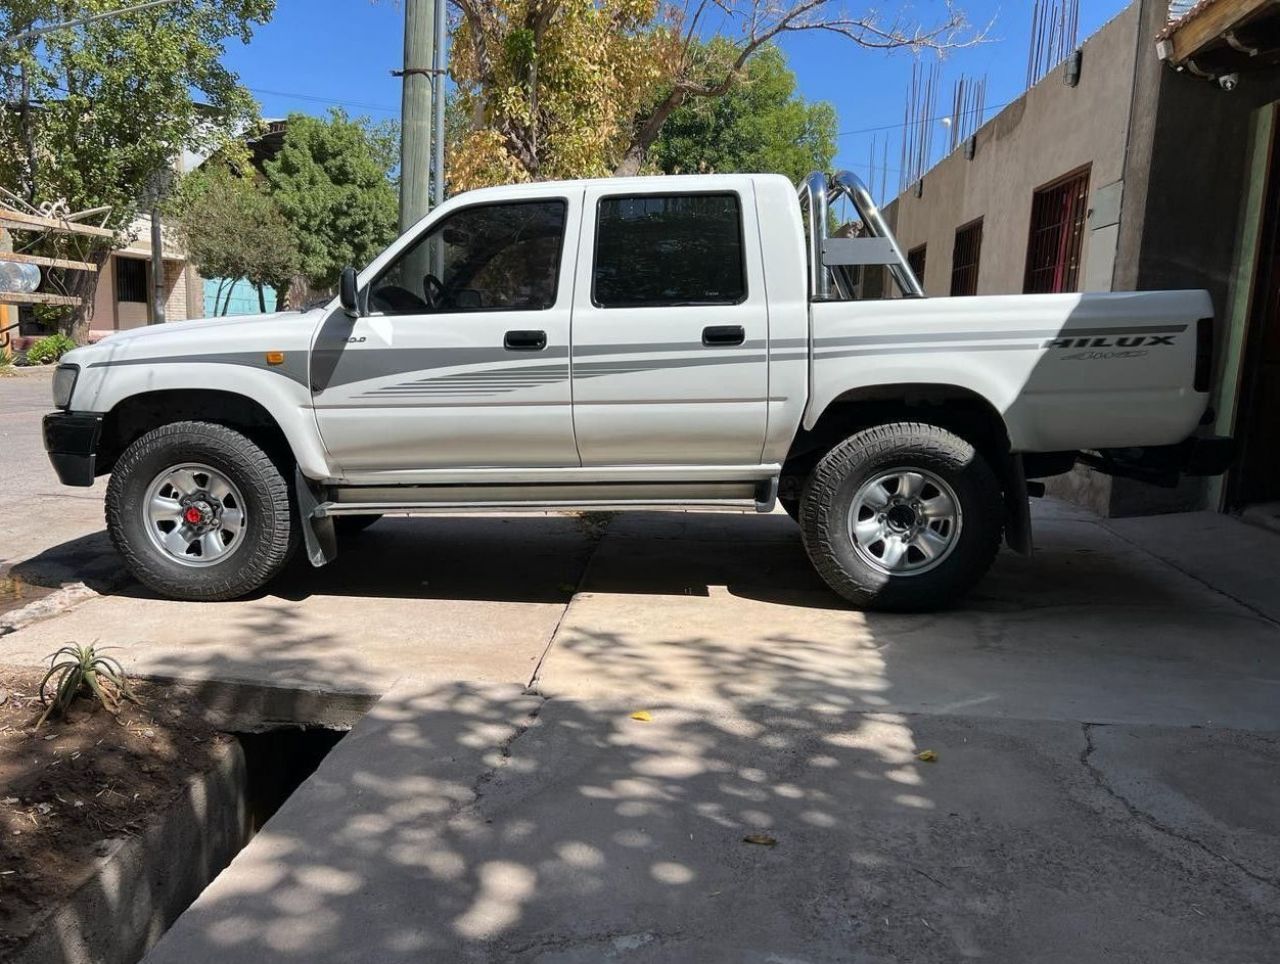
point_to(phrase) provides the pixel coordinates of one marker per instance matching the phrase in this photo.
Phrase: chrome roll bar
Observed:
(816, 192)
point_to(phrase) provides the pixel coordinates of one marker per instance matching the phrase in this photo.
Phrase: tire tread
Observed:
(266, 555)
(929, 590)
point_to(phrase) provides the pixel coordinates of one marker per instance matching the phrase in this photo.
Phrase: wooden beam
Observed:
(9, 298)
(47, 262)
(18, 221)
(1208, 25)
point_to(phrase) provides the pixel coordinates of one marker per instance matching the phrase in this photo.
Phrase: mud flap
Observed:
(1017, 500)
(317, 530)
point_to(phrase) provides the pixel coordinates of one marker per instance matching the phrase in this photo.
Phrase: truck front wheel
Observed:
(200, 512)
(904, 516)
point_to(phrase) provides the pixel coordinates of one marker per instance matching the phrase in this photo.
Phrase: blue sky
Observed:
(320, 52)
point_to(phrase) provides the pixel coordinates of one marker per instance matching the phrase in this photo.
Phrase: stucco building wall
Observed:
(1049, 132)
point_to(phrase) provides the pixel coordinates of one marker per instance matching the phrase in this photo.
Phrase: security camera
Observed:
(1229, 82)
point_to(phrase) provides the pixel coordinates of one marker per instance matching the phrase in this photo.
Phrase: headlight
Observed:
(64, 383)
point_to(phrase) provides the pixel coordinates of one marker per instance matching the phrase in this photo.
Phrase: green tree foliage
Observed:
(331, 181)
(97, 114)
(231, 229)
(759, 125)
(574, 88)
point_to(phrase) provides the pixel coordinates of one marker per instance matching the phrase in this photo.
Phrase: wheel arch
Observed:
(958, 409)
(955, 408)
(135, 415)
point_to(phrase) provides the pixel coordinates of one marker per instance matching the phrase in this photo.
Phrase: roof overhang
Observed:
(1218, 37)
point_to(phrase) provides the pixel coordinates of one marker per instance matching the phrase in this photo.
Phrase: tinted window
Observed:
(669, 250)
(492, 257)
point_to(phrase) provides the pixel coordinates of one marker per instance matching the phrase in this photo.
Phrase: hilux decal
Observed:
(1129, 341)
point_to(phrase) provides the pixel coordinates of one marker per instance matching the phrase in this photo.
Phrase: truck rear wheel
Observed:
(200, 512)
(905, 516)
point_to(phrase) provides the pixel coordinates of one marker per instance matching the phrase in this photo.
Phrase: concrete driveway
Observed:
(1104, 718)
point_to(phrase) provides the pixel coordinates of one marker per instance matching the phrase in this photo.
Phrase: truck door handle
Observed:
(525, 341)
(724, 335)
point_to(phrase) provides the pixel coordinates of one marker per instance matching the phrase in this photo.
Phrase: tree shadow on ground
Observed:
(770, 822)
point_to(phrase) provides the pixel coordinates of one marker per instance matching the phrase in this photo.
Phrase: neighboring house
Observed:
(122, 299)
(1146, 161)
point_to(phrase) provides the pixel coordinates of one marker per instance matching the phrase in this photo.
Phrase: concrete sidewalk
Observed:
(470, 823)
(1106, 787)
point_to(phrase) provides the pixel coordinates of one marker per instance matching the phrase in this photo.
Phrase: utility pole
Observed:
(437, 76)
(416, 120)
(157, 269)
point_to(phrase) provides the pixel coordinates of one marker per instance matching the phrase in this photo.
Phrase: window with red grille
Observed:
(1058, 213)
(965, 258)
(915, 261)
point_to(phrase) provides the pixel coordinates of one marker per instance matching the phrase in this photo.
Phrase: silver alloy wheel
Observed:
(194, 514)
(904, 522)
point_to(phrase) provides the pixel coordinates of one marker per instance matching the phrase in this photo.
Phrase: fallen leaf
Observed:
(760, 839)
(927, 756)
(642, 716)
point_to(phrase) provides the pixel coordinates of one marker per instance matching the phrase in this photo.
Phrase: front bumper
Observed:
(71, 439)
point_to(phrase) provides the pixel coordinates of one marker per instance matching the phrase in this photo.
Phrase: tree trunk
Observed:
(84, 285)
(646, 134)
(262, 301)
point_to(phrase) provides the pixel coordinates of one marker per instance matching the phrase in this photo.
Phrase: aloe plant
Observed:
(78, 668)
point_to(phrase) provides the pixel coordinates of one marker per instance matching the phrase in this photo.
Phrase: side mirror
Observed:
(348, 297)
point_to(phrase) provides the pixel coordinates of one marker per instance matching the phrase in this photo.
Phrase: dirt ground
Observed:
(71, 785)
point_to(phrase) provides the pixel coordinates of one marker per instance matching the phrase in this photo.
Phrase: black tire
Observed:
(349, 526)
(270, 535)
(829, 496)
(791, 507)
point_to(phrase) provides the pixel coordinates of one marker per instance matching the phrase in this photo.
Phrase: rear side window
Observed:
(669, 249)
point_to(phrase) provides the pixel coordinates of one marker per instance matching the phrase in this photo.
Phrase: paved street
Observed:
(36, 512)
(1104, 716)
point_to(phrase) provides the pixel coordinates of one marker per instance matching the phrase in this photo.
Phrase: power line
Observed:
(320, 99)
(894, 127)
(81, 21)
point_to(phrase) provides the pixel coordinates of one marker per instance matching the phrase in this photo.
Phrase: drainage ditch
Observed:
(160, 872)
(276, 763)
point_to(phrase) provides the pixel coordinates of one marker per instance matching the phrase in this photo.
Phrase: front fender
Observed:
(281, 389)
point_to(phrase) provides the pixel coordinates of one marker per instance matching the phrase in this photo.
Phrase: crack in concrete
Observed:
(1099, 778)
(595, 524)
(504, 750)
(613, 944)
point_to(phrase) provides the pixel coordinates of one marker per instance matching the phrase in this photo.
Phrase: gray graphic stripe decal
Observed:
(583, 351)
(496, 382)
(928, 349)
(949, 336)
(294, 367)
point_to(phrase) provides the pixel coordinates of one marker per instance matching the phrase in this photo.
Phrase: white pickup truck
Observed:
(627, 343)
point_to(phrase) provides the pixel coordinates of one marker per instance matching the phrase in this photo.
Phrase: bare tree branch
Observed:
(759, 22)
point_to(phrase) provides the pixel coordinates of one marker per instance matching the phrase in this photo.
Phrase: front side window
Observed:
(669, 249)
(491, 257)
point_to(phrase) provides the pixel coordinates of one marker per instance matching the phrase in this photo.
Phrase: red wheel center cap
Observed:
(193, 515)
